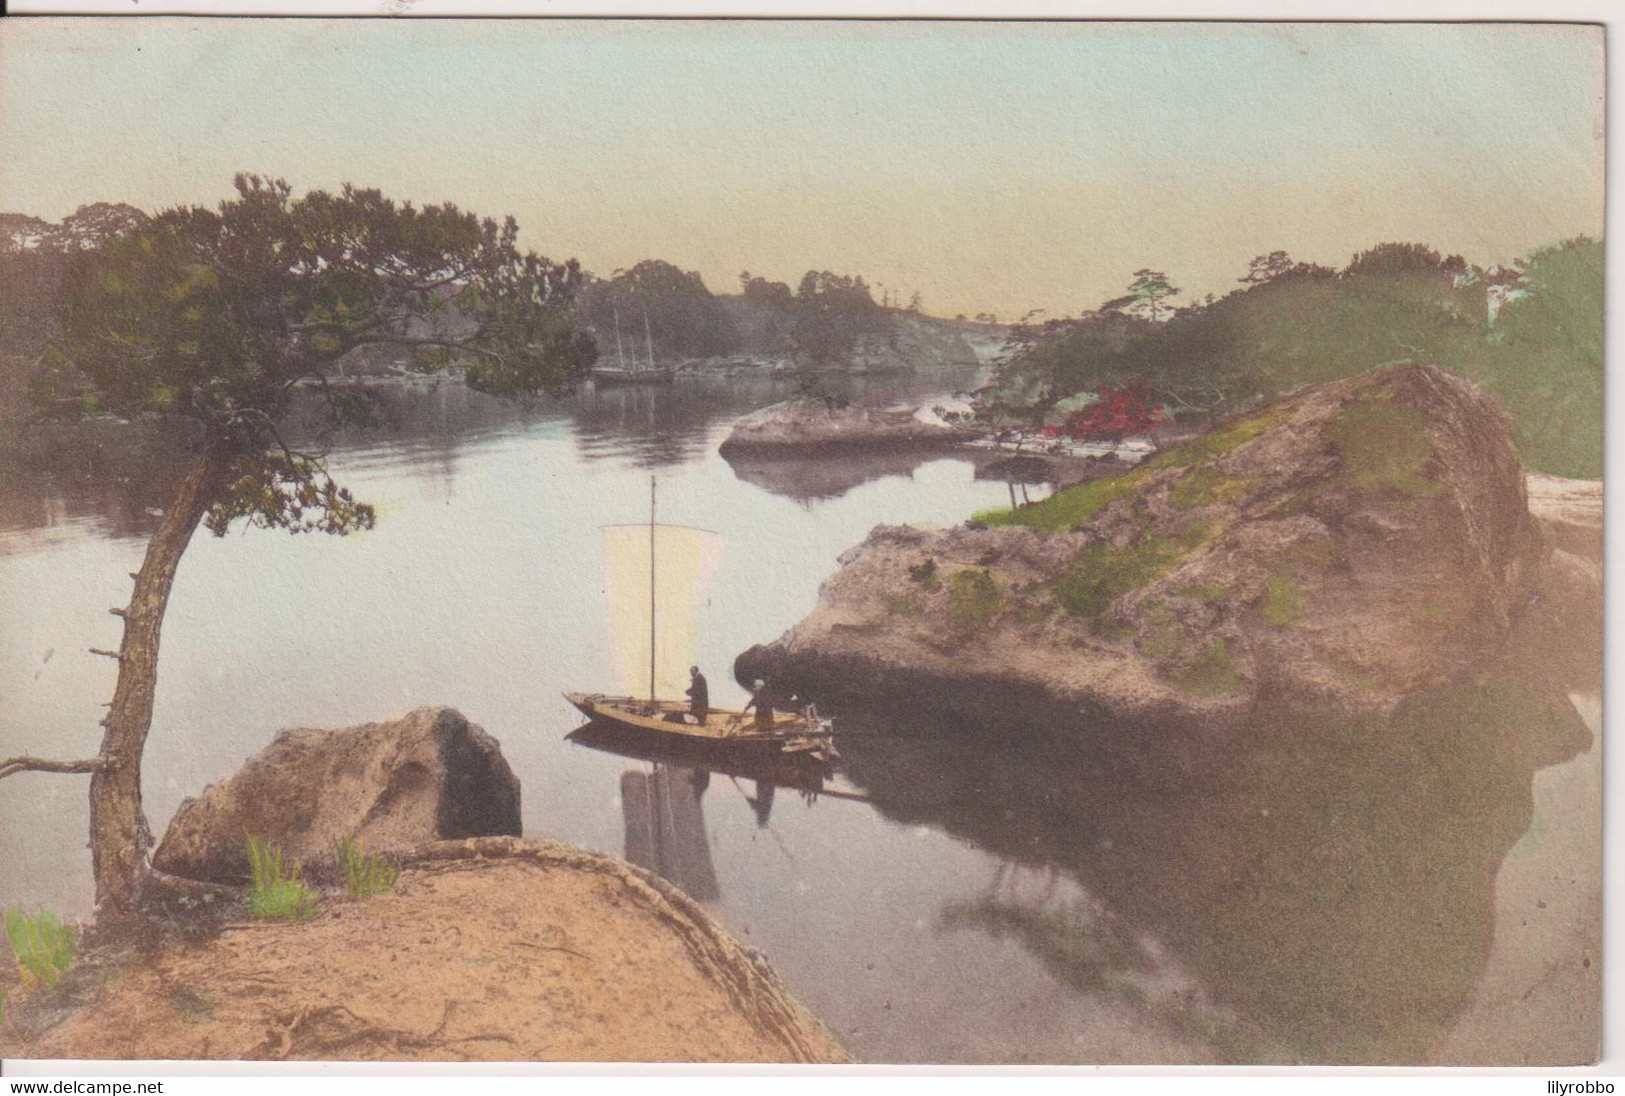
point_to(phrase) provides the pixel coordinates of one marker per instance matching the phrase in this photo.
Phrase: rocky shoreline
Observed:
(1346, 547)
(811, 426)
(484, 947)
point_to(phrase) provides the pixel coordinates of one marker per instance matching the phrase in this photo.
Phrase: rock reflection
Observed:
(815, 479)
(114, 477)
(667, 424)
(1083, 945)
(1329, 887)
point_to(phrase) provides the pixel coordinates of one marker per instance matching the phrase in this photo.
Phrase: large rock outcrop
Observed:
(810, 425)
(1349, 545)
(492, 948)
(427, 776)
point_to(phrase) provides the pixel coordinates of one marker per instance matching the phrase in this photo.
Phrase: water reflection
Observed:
(799, 772)
(1330, 889)
(1324, 896)
(663, 807)
(827, 477)
(830, 476)
(665, 827)
(113, 480)
(105, 480)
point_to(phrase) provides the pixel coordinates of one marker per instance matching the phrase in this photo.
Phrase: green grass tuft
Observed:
(904, 605)
(1069, 507)
(42, 944)
(1214, 443)
(274, 895)
(1282, 602)
(974, 596)
(1195, 487)
(365, 876)
(1072, 506)
(1212, 676)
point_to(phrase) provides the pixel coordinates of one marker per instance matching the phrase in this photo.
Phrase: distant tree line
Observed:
(1530, 333)
(34, 257)
(655, 308)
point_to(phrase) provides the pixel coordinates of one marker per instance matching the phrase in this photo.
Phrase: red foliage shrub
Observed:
(1118, 413)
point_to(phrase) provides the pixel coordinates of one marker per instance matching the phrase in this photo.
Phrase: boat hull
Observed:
(805, 771)
(723, 728)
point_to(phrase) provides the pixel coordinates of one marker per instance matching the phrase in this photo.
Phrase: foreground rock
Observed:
(395, 785)
(1351, 544)
(487, 949)
(808, 425)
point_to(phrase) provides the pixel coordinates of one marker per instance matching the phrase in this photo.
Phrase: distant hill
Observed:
(829, 321)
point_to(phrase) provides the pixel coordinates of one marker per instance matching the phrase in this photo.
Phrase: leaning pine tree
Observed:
(217, 316)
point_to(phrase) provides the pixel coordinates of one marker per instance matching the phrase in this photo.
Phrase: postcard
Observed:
(801, 541)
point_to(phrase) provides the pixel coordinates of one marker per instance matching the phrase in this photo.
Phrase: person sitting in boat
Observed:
(699, 696)
(763, 705)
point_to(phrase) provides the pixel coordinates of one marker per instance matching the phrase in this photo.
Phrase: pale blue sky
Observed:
(991, 166)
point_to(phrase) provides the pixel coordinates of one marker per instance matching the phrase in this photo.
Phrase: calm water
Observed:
(943, 903)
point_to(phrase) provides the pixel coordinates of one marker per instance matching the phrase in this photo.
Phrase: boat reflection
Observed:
(802, 773)
(663, 808)
(665, 827)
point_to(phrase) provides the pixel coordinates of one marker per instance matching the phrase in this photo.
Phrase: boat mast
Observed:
(651, 589)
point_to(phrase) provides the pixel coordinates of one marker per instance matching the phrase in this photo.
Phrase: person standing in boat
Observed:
(699, 696)
(762, 703)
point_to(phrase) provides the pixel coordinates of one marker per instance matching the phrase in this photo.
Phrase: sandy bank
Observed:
(488, 949)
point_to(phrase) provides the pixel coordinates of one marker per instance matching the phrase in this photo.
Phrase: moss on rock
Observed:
(974, 596)
(1384, 446)
(1069, 507)
(1102, 572)
(1212, 676)
(1282, 602)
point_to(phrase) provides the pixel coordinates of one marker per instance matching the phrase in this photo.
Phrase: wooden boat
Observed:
(791, 733)
(804, 770)
(631, 551)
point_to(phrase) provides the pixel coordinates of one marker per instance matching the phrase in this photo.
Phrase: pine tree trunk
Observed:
(118, 830)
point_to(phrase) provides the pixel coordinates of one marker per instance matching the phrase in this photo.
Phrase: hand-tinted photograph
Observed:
(801, 541)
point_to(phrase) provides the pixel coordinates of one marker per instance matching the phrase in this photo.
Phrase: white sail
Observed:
(685, 559)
